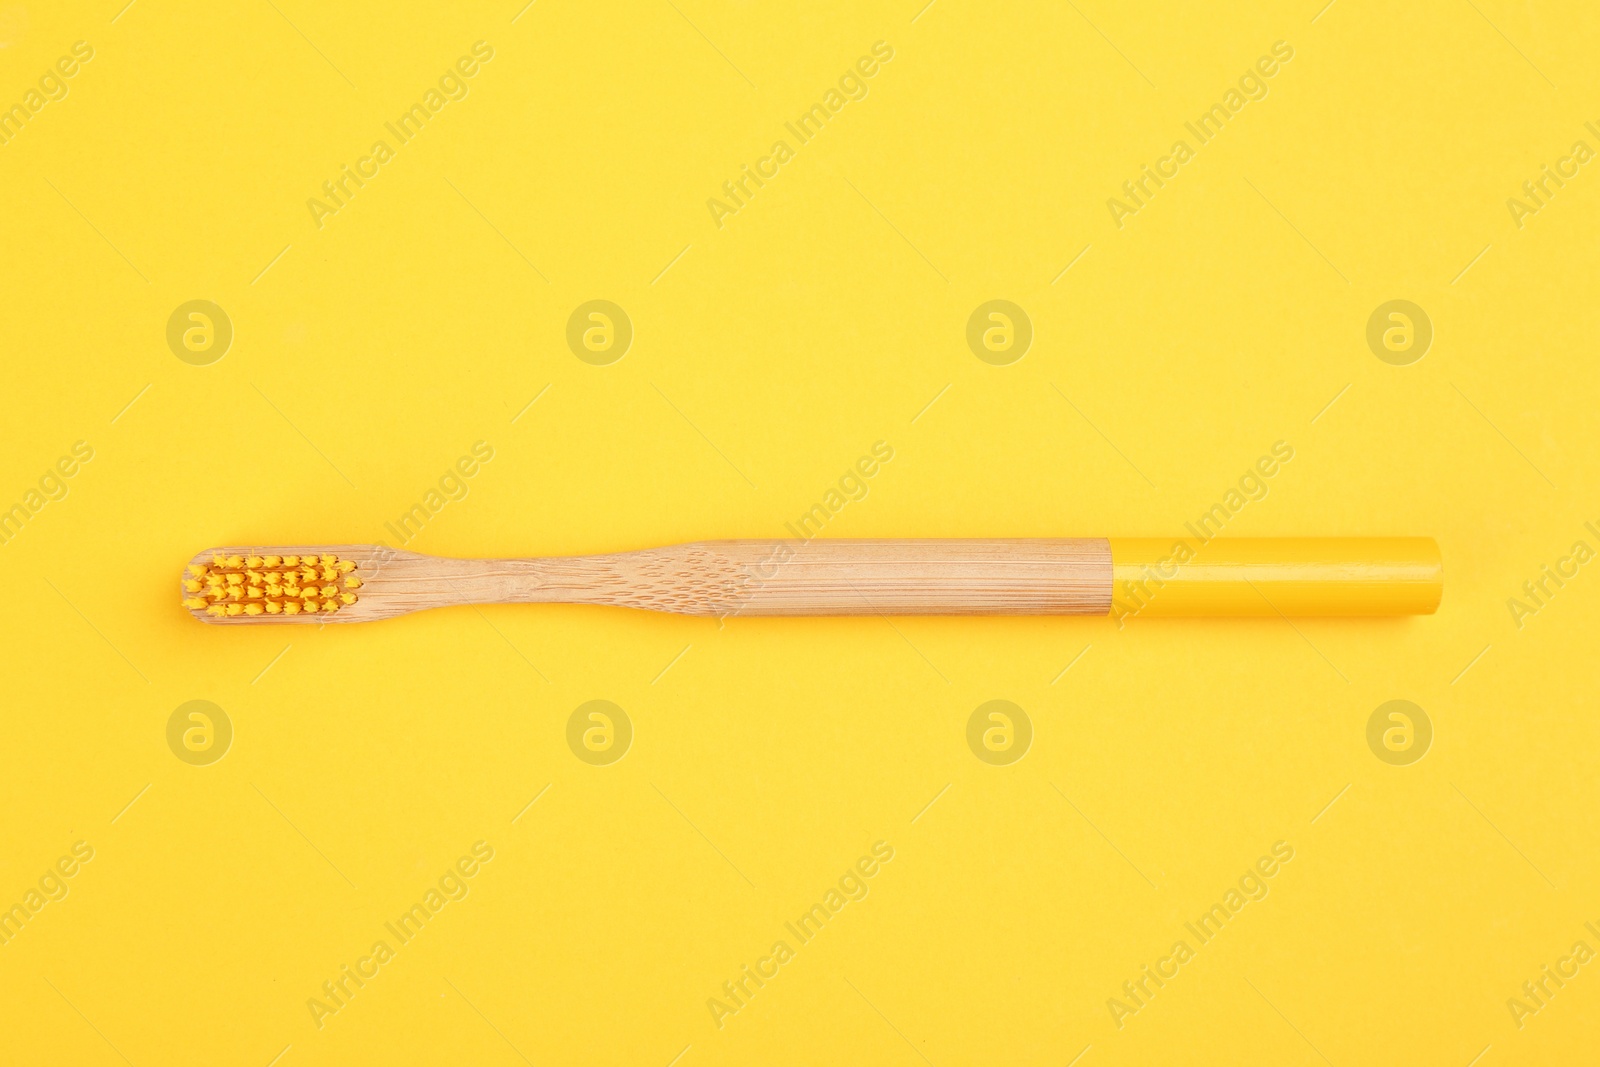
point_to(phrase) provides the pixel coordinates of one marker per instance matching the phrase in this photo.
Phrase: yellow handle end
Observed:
(1276, 576)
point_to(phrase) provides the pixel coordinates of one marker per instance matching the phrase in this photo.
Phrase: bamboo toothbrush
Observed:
(1121, 577)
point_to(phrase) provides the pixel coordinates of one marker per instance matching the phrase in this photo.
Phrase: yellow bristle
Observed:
(254, 585)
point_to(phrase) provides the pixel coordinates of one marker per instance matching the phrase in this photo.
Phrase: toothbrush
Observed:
(1119, 577)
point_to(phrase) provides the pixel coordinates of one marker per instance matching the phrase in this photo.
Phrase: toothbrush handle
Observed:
(1123, 578)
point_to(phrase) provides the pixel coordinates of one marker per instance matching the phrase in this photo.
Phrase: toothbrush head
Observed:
(280, 584)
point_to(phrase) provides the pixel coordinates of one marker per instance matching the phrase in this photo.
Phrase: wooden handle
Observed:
(1070, 576)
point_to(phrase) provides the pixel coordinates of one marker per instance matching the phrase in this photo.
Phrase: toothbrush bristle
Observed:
(236, 585)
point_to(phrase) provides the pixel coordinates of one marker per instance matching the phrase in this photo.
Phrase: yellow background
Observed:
(823, 317)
